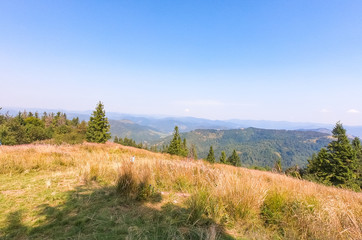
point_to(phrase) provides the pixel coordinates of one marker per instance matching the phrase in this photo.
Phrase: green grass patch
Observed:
(33, 208)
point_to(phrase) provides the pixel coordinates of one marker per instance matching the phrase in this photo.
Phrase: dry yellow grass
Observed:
(251, 203)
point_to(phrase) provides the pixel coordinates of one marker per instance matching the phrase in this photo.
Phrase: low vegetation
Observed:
(93, 191)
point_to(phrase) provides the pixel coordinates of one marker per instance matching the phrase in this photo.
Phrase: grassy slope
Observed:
(69, 192)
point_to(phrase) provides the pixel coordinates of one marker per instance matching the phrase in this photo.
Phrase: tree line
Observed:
(128, 142)
(233, 159)
(28, 127)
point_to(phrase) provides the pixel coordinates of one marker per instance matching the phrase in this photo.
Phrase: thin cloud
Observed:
(212, 103)
(353, 111)
(201, 103)
(324, 110)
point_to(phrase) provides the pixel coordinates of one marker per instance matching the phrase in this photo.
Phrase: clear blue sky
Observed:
(271, 60)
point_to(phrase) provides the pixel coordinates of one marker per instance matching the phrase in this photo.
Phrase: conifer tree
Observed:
(116, 139)
(184, 150)
(211, 156)
(223, 157)
(175, 145)
(98, 126)
(357, 146)
(336, 164)
(234, 159)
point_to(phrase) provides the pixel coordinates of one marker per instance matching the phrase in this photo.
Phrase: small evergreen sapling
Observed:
(223, 157)
(211, 156)
(234, 159)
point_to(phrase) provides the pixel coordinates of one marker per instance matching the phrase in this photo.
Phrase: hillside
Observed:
(92, 191)
(139, 133)
(167, 124)
(259, 147)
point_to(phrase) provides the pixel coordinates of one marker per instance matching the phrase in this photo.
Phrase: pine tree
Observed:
(234, 159)
(211, 156)
(336, 165)
(184, 149)
(223, 157)
(75, 121)
(98, 126)
(175, 145)
(116, 139)
(356, 143)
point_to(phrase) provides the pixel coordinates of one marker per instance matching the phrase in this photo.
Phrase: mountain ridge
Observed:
(166, 124)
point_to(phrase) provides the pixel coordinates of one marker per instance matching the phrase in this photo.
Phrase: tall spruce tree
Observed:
(175, 144)
(336, 164)
(98, 126)
(223, 157)
(234, 159)
(211, 156)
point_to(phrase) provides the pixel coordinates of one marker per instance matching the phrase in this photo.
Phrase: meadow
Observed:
(94, 191)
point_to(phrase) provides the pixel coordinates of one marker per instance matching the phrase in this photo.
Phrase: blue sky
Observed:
(263, 60)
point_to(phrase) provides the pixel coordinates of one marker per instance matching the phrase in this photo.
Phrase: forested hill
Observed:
(139, 133)
(260, 147)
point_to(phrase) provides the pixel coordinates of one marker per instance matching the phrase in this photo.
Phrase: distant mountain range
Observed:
(150, 128)
(139, 133)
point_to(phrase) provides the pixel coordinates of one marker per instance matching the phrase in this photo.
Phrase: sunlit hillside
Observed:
(94, 191)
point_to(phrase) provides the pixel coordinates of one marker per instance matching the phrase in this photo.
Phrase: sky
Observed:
(297, 61)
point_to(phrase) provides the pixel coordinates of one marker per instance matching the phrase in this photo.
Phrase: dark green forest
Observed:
(258, 147)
